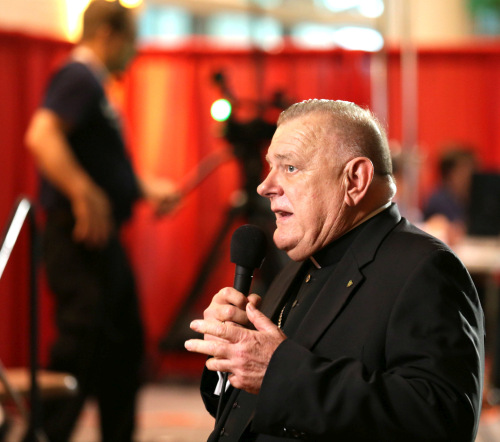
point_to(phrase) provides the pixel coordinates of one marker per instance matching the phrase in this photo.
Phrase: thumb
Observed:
(260, 321)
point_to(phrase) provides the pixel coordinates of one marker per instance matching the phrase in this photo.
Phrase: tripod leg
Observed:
(178, 333)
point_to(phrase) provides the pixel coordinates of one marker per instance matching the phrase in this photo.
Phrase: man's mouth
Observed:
(281, 214)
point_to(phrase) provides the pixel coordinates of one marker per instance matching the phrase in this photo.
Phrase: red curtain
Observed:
(25, 64)
(165, 99)
(458, 101)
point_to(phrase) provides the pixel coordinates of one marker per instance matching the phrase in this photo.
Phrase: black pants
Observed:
(100, 336)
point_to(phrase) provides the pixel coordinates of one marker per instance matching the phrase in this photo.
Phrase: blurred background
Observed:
(429, 69)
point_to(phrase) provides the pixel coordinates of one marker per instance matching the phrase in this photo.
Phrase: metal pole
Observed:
(24, 209)
(409, 107)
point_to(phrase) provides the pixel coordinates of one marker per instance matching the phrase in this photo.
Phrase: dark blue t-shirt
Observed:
(77, 96)
(443, 202)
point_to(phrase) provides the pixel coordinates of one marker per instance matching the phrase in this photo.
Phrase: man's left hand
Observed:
(162, 193)
(243, 353)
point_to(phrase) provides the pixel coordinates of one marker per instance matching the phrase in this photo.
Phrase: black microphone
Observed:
(248, 249)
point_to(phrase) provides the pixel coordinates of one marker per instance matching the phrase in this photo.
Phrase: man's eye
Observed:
(290, 169)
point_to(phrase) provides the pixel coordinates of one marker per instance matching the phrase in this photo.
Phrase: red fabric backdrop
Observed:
(165, 99)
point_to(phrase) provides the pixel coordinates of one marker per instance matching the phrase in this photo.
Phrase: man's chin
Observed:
(281, 241)
(289, 246)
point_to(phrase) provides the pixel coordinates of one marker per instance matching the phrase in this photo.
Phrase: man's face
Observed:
(305, 186)
(121, 50)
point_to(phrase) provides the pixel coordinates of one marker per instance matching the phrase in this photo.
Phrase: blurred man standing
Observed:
(88, 190)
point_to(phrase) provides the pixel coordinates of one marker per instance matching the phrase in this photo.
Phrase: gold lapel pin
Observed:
(350, 283)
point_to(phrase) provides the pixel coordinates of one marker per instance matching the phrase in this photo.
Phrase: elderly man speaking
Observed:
(374, 332)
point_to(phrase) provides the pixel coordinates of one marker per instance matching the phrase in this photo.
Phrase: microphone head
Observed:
(248, 246)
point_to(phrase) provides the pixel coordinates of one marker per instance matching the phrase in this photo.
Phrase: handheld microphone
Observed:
(248, 249)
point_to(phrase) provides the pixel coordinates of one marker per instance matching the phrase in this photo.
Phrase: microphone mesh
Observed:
(248, 246)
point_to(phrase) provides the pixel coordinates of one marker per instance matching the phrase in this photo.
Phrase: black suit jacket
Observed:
(391, 350)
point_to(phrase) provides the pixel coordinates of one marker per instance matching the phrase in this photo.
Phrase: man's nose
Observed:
(268, 187)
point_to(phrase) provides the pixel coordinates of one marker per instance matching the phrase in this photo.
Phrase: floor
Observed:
(171, 412)
(489, 427)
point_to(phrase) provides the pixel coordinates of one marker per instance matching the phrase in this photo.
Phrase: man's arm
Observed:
(46, 140)
(163, 194)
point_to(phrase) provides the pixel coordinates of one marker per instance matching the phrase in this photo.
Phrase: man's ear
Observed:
(358, 175)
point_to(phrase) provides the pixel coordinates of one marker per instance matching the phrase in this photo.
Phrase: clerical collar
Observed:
(333, 252)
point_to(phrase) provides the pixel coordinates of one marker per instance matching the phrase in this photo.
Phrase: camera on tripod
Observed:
(247, 138)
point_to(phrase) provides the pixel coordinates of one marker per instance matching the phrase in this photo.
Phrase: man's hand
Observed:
(46, 138)
(93, 217)
(242, 352)
(229, 305)
(163, 194)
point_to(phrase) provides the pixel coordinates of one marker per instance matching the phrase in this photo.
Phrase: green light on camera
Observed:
(221, 110)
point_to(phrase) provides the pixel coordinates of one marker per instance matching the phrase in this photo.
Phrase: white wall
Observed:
(46, 17)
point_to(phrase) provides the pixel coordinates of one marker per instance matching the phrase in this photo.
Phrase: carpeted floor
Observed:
(174, 412)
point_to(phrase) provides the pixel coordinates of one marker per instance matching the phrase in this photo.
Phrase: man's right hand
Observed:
(229, 305)
(46, 139)
(93, 217)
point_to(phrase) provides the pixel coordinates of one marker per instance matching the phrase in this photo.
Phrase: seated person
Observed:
(445, 211)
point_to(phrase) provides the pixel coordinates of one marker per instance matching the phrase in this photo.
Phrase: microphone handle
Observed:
(242, 281)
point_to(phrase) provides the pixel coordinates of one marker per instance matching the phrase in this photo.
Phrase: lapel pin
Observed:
(350, 283)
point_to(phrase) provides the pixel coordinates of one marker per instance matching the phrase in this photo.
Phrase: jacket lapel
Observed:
(346, 279)
(279, 289)
(329, 301)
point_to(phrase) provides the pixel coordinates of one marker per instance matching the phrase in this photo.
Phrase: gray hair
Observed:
(358, 131)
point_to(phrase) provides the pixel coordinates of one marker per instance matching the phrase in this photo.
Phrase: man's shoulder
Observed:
(72, 92)
(415, 233)
(75, 73)
(409, 243)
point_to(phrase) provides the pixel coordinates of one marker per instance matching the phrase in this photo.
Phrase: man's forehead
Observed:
(303, 135)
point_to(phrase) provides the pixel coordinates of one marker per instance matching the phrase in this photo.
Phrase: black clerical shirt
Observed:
(310, 280)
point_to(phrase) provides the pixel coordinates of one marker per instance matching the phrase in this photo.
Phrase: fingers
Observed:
(224, 339)
(93, 218)
(81, 229)
(255, 300)
(229, 295)
(243, 352)
(228, 305)
(93, 233)
(221, 330)
(168, 203)
(209, 348)
(218, 346)
(260, 321)
(217, 349)
(162, 193)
